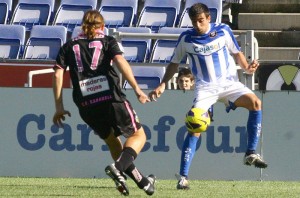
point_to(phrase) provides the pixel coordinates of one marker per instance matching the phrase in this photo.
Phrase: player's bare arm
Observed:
(127, 73)
(57, 82)
(172, 68)
(249, 68)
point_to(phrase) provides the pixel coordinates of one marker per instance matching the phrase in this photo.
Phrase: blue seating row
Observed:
(154, 14)
(136, 50)
(44, 42)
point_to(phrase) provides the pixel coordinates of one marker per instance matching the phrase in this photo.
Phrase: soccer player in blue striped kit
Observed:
(209, 47)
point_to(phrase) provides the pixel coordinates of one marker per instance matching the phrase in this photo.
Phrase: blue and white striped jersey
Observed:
(209, 54)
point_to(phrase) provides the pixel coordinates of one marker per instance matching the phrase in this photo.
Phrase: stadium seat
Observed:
(32, 12)
(44, 42)
(12, 39)
(170, 30)
(136, 50)
(77, 30)
(5, 11)
(119, 13)
(163, 48)
(146, 76)
(215, 8)
(156, 14)
(70, 12)
(145, 82)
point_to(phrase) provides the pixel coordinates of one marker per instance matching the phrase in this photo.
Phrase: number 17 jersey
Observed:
(93, 78)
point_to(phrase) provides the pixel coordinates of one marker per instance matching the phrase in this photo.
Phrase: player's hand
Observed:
(59, 116)
(156, 93)
(142, 97)
(252, 67)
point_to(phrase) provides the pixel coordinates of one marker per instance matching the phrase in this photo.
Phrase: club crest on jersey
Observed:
(213, 34)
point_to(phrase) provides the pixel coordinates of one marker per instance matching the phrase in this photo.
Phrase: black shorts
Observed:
(118, 116)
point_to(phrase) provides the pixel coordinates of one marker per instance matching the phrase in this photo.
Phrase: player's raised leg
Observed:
(253, 104)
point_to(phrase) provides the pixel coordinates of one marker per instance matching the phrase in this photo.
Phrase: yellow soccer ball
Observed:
(197, 120)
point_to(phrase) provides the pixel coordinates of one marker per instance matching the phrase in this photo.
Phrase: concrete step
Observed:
(269, 21)
(277, 38)
(279, 53)
(268, 6)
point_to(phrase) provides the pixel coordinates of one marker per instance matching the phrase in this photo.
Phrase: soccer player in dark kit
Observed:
(100, 100)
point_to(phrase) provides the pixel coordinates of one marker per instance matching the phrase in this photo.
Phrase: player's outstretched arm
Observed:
(57, 82)
(127, 73)
(172, 68)
(249, 68)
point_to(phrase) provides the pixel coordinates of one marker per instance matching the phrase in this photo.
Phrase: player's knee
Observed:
(256, 104)
(197, 120)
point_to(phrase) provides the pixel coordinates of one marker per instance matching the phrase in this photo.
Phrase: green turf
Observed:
(71, 187)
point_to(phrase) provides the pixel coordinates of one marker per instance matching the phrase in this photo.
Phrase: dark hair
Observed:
(184, 71)
(198, 8)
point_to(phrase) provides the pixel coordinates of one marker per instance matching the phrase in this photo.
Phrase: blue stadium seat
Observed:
(5, 11)
(32, 12)
(12, 39)
(145, 82)
(136, 50)
(44, 42)
(215, 8)
(157, 13)
(147, 77)
(119, 13)
(162, 51)
(163, 48)
(170, 30)
(70, 12)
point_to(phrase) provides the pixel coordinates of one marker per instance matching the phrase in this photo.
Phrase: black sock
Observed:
(137, 177)
(126, 158)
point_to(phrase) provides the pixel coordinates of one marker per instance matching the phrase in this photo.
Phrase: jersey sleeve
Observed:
(114, 47)
(179, 51)
(231, 42)
(61, 61)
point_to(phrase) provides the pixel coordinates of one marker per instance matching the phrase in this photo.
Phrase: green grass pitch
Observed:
(74, 187)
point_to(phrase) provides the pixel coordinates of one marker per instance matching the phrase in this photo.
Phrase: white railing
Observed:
(246, 39)
(249, 46)
(37, 72)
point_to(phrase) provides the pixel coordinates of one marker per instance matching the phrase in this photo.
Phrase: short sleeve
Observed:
(179, 51)
(231, 42)
(61, 60)
(114, 47)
